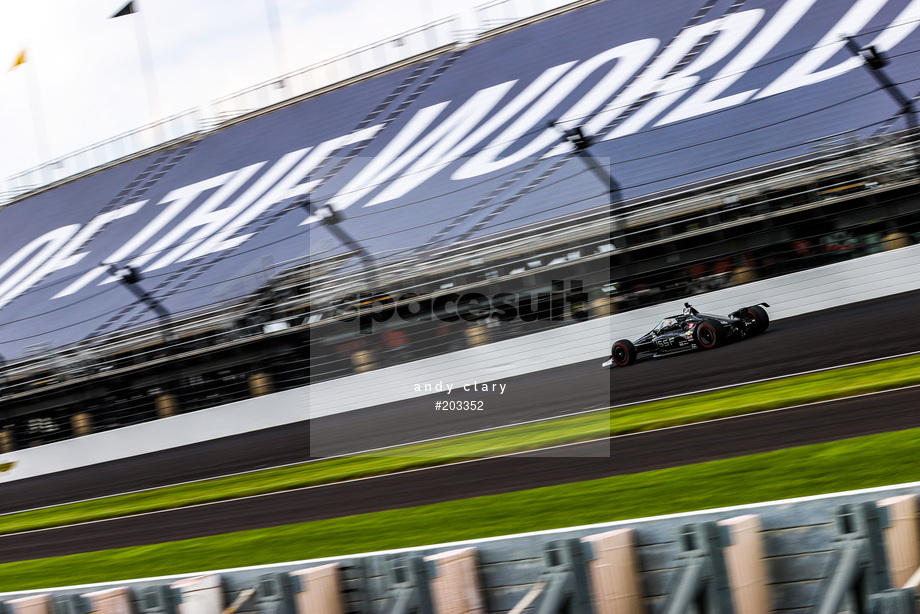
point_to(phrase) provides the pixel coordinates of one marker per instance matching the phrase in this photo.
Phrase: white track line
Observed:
(464, 462)
(473, 432)
(631, 522)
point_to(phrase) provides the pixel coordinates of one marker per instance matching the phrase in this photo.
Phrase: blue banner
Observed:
(453, 150)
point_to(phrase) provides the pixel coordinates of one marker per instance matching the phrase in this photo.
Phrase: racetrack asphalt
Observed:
(627, 454)
(858, 332)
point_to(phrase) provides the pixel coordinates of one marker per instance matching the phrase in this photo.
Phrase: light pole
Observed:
(582, 142)
(331, 219)
(129, 277)
(876, 62)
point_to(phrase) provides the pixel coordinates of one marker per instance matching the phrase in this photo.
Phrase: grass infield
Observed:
(873, 460)
(837, 383)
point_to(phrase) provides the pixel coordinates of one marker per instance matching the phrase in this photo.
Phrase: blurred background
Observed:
(258, 235)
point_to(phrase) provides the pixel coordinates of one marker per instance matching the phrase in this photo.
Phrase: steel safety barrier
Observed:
(586, 572)
(860, 567)
(275, 593)
(565, 579)
(702, 582)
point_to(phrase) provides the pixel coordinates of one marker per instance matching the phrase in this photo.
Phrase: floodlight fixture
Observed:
(582, 142)
(875, 60)
(130, 277)
(333, 219)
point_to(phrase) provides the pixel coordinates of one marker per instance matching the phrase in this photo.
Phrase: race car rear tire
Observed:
(761, 319)
(709, 334)
(623, 353)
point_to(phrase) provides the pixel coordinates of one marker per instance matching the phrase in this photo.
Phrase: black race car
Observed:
(691, 330)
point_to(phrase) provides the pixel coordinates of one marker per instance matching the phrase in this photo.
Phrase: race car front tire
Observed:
(709, 334)
(623, 353)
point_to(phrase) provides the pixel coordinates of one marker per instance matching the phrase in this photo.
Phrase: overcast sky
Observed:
(84, 76)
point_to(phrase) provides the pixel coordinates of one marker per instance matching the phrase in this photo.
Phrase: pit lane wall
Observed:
(866, 278)
(779, 557)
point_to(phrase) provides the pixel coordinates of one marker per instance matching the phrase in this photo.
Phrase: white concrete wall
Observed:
(184, 429)
(866, 278)
(870, 277)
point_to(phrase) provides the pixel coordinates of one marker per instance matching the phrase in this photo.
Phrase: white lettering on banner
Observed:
(628, 58)
(185, 196)
(439, 147)
(704, 100)
(290, 186)
(666, 87)
(67, 254)
(900, 28)
(805, 70)
(432, 140)
(48, 243)
(446, 143)
(214, 224)
(179, 199)
(649, 80)
(378, 169)
(521, 102)
(126, 250)
(241, 212)
(435, 160)
(207, 218)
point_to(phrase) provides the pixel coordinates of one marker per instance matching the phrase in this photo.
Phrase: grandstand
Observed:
(231, 262)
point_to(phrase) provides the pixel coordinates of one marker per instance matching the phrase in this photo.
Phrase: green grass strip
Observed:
(751, 398)
(874, 460)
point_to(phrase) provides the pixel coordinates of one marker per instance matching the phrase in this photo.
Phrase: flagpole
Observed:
(274, 24)
(38, 117)
(143, 49)
(153, 96)
(33, 94)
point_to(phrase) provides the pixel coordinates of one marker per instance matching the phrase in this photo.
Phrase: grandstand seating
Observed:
(236, 295)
